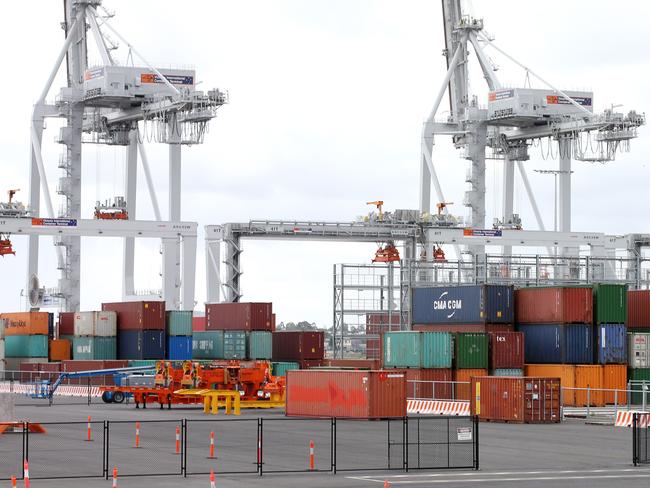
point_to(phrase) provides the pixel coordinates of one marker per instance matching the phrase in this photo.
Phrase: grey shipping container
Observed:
(465, 304)
(234, 344)
(179, 323)
(260, 345)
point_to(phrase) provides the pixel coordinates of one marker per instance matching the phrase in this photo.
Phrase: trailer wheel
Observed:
(118, 397)
(107, 397)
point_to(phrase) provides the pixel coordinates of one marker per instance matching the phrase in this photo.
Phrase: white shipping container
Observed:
(639, 350)
(102, 324)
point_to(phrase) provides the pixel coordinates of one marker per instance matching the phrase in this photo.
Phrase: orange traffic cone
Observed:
(212, 482)
(386, 484)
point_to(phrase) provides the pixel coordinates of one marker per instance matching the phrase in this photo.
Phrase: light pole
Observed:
(555, 173)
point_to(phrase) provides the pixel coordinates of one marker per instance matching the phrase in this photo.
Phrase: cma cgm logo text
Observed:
(449, 305)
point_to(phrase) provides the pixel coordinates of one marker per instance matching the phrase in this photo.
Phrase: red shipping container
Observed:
(90, 365)
(638, 309)
(66, 323)
(376, 324)
(272, 322)
(138, 315)
(506, 350)
(521, 400)
(239, 316)
(352, 363)
(198, 324)
(351, 394)
(428, 391)
(30, 372)
(309, 363)
(462, 379)
(554, 305)
(464, 328)
(297, 345)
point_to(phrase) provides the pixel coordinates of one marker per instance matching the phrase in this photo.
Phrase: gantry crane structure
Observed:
(117, 105)
(514, 119)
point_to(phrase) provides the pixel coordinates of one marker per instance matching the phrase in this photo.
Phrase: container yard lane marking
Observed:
(499, 477)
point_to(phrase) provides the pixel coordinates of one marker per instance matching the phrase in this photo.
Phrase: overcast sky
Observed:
(327, 103)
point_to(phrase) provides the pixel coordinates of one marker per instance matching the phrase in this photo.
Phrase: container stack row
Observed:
(141, 329)
(95, 335)
(27, 336)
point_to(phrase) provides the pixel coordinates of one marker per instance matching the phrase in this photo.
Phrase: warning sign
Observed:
(464, 433)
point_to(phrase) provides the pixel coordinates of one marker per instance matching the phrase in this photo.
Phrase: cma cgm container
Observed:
(141, 344)
(66, 323)
(566, 373)
(506, 350)
(610, 303)
(239, 316)
(429, 384)
(298, 345)
(260, 344)
(26, 323)
(207, 345)
(89, 348)
(638, 350)
(179, 348)
(102, 324)
(638, 309)
(554, 305)
(471, 351)
(611, 343)
(179, 323)
(138, 315)
(351, 394)
(487, 328)
(466, 304)
(521, 400)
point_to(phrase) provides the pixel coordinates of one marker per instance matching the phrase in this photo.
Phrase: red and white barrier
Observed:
(435, 407)
(625, 419)
(63, 390)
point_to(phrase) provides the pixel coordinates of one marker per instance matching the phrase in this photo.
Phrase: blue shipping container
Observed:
(141, 344)
(466, 304)
(611, 342)
(579, 345)
(179, 348)
(543, 343)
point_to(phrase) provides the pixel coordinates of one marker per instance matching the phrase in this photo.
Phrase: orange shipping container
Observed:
(465, 375)
(59, 350)
(26, 323)
(566, 373)
(615, 378)
(589, 377)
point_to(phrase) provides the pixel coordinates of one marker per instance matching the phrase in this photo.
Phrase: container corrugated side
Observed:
(66, 323)
(376, 324)
(346, 394)
(141, 344)
(554, 305)
(60, 349)
(234, 344)
(260, 344)
(611, 343)
(507, 372)
(638, 309)
(506, 350)
(142, 315)
(463, 328)
(638, 349)
(26, 323)
(26, 346)
(471, 351)
(95, 324)
(615, 378)
(179, 348)
(610, 303)
(543, 343)
(179, 323)
(436, 350)
(280, 368)
(566, 373)
(429, 384)
(639, 379)
(90, 348)
(207, 345)
(239, 316)
(589, 377)
(402, 349)
(298, 345)
(462, 377)
(579, 347)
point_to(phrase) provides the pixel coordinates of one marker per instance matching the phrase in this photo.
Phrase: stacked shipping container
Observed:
(140, 329)
(27, 337)
(95, 335)
(179, 335)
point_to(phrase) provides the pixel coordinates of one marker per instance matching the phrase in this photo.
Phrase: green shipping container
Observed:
(234, 344)
(471, 350)
(207, 345)
(437, 349)
(637, 377)
(260, 345)
(281, 368)
(90, 348)
(403, 349)
(610, 303)
(179, 323)
(26, 346)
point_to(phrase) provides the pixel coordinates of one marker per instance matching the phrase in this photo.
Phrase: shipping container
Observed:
(507, 372)
(346, 394)
(26, 346)
(615, 378)
(352, 363)
(298, 345)
(141, 344)
(589, 385)
(207, 345)
(66, 324)
(566, 373)
(92, 365)
(179, 323)
(610, 303)
(471, 351)
(579, 345)
(198, 324)
(94, 348)
(260, 344)
(639, 379)
(234, 344)
(239, 316)
(638, 349)
(279, 368)
(310, 363)
(638, 309)
(99, 324)
(465, 304)
(463, 328)
(554, 305)
(437, 350)
(403, 349)
(60, 350)
(462, 377)
(520, 400)
(506, 350)
(138, 315)
(611, 343)
(32, 370)
(543, 343)
(179, 348)
(26, 323)
(376, 324)
(272, 322)
(429, 384)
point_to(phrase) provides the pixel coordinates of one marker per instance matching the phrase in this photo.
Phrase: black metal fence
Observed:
(640, 453)
(237, 446)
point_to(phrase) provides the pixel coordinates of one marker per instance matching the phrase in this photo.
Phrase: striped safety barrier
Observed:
(63, 390)
(625, 419)
(435, 407)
